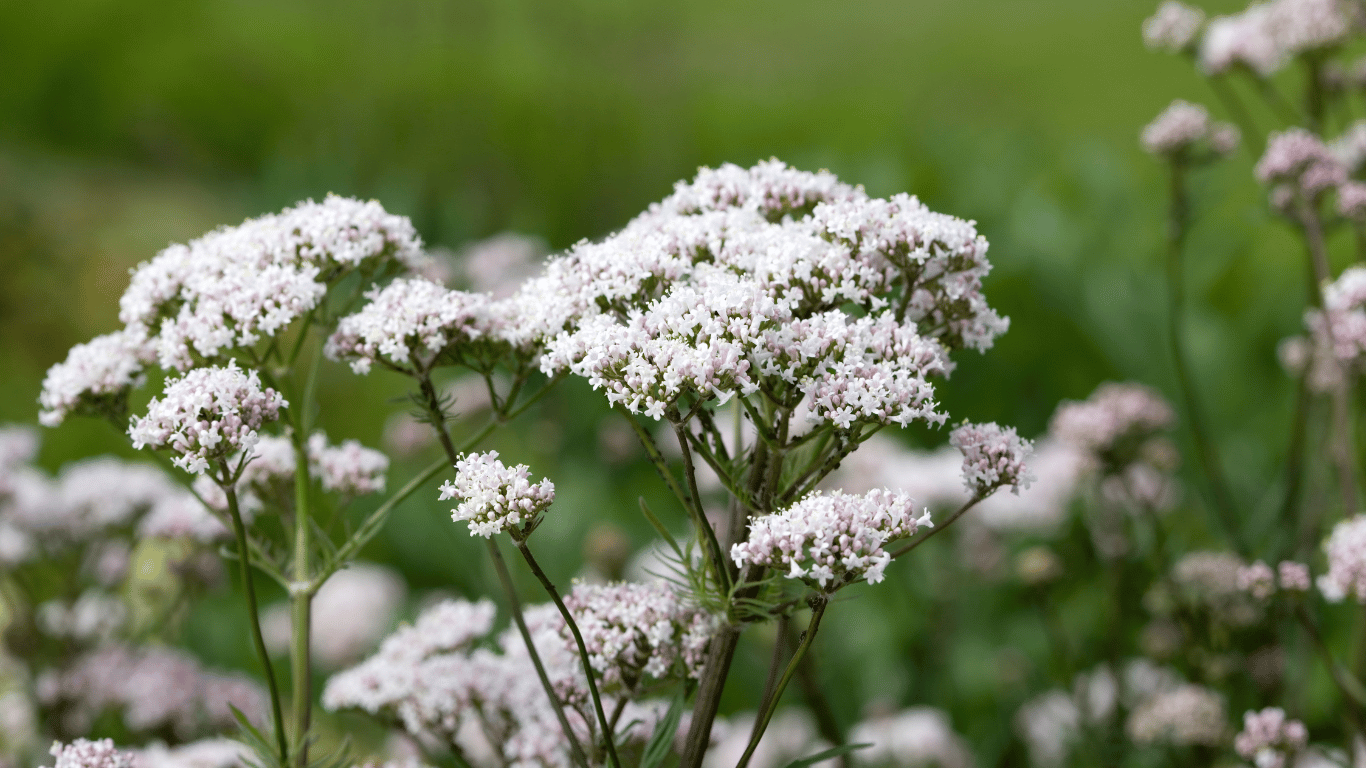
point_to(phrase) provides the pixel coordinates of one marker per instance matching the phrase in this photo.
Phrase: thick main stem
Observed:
(244, 563)
(438, 419)
(818, 604)
(1205, 446)
(550, 589)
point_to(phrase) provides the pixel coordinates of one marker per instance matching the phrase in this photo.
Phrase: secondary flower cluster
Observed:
(1268, 738)
(207, 415)
(1298, 161)
(1184, 126)
(636, 632)
(1260, 581)
(1346, 548)
(96, 377)
(993, 457)
(831, 539)
(494, 497)
(1189, 714)
(1262, 38)
(408, 323)
(83, 753)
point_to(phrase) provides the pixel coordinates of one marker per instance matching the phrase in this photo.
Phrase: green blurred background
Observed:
(127, 125)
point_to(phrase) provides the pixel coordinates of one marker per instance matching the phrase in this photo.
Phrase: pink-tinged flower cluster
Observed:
(156, 689)
(350, 469)
(1173, 27)
(1188, 715)
(918, 737)
(1257, 579)
(829, 540)
(635, 633)
(493, 496)
(1337, 332)
(1294, 576)
(1184, 126)
(83, 753)
(1350, 147)
(486, 702)
(207, 415)
(993, 457)
(408, 324)
(1302, 161)
(1346, 548)
(236, 285)
(1266, 35)
(1113, 417)
(96, 377)
(1268, 738)
(499, 264)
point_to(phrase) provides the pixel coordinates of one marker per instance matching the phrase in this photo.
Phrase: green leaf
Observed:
(661, 741)
(826, 755)
(266, 756)
(659, 527)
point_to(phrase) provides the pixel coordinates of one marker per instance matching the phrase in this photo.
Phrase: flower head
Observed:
(1300, 159)
(83, 753)
(1268, 737)
(95, 378)
(993, 457)
(1173, 27)
(407, 324)
(349, 468)
(207, 415)
(1183, 126)
(829, 540)
(1187, 715)
(494, 497)
(1346, 548)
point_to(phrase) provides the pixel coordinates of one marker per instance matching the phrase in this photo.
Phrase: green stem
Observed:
(1205, 446)
(243, 560)
(515, 607)
(302, 599)
(972, 502)
(583, 649)
(818, 605)
(708, 534)
(1252, 138)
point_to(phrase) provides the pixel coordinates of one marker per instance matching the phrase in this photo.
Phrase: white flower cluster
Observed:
(350, 469)
(93, 616)
(494, 497)
(638, 632)
(1350, 147)
(235, 285)
(1266, 35)
(156, 689)
(1346, 548)
(207, 415)
(919, 737)
(96, 377)
(1296, 159)
(1336, 333)
(1268, 738)
(1188, 715)
(206, 753)
(1173, 27)
(1214, 581)
(1183, 126)
(829, 540)
(498, 265)
(1260, 581)
(993, 457)
(407, 325)
(739, 281)
(83, 753)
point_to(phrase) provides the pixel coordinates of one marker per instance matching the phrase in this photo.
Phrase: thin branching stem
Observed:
(708, 534)
(244, 567)
(818, 604)
(972, 502)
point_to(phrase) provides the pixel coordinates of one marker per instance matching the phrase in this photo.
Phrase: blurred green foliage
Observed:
(127, 125)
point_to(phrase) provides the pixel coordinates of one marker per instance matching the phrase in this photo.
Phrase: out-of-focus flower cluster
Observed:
(1183, 127)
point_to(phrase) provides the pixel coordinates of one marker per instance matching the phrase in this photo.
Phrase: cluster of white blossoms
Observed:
(1346, 549)
(1184, 126)
(494, 497)
(1337, 331)
(1173, 27)
(207, 415)
(202, 302)
(92, 616)
(1188, 715)
(407, 325)
(832, 539)
(1266, 35)
(919, 737)
(83, 753)
(350, 469)
(639, 632)
(1268, 738)
(993, 457)
(1260, 580)
(233, 286)
(155, 688)
(487, 702)
(1214, 581)
(96, 377)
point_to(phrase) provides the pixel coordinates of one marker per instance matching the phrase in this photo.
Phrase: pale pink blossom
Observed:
(494, 497)
(1268, 738)
(95, 377)
(1173, 27)
(83, 753)
(993, 457)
